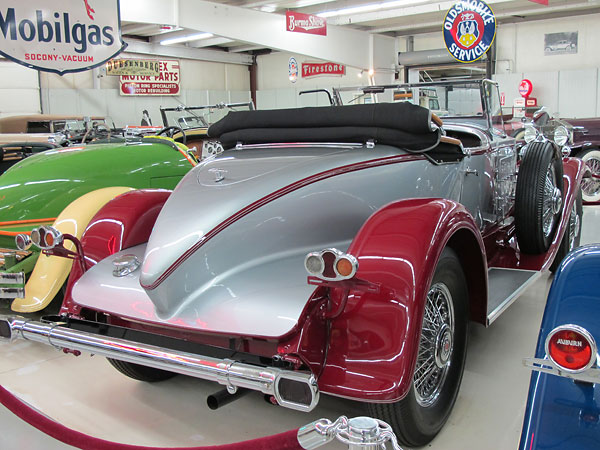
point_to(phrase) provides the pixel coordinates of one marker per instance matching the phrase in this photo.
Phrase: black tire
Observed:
(572, 236)
(538, 199)
(591, 186)
(417, 419)
(139, 372)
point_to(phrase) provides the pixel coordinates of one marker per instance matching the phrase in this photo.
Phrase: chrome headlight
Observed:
(561, 135)
(531, 134)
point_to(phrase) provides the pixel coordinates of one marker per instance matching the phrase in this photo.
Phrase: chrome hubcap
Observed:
(552, 203)
(436, 345)
(591, 186)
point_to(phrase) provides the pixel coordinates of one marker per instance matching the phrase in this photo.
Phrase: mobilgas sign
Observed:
(469, 30)
(60, 36)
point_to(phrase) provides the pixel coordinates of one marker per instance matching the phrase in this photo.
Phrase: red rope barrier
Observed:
(282, 441)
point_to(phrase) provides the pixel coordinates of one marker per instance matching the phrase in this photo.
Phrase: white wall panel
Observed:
(578, 93)
(545, 89)
(19, 89)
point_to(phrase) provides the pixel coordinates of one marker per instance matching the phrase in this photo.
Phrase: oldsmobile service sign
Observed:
(60, 36)
(469, 30)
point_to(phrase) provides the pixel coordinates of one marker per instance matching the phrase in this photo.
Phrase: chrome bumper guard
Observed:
(12, 285)
(591, 375)
(294, 390)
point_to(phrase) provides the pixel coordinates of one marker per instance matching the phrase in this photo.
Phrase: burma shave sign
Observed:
(166, 83)
(60, 36)
(305, 23)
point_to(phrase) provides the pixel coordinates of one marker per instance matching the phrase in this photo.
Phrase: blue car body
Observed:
(563, 412)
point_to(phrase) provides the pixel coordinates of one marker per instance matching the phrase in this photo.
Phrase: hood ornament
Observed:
(218, 173)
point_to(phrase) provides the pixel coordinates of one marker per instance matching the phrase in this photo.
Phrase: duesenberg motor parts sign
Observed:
(165, 83)
(60, 36)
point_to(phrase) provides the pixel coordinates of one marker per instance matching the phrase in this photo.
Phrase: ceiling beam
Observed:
(178, 51)
(342, 44)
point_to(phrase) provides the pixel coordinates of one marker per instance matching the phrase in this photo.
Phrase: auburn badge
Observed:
(469, 30)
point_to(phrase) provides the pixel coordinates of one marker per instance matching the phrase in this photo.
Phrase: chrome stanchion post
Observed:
(359, 433)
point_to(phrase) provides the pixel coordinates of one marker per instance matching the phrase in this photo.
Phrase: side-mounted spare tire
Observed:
(539, 197)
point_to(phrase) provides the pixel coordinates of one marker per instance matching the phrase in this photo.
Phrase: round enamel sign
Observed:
(525, 88)
(469, 30)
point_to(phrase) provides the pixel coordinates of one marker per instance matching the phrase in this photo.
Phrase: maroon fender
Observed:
(124, 222)
(373, 343)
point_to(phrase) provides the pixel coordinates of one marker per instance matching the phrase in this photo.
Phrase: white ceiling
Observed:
(392, 18)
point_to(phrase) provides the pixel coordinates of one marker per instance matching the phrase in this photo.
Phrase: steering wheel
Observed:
(170, 132)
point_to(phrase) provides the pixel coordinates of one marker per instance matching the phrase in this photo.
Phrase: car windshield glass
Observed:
(75, 125)
(188, 117)
(446, 99)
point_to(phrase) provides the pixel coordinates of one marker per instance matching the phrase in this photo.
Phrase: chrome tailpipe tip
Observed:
(297, 391)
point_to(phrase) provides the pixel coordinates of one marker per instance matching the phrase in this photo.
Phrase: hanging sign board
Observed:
(293, 70)
(305, 23)
(61, 36)
(144, 67)
(469, 30)
(317, 69)
(166, 83)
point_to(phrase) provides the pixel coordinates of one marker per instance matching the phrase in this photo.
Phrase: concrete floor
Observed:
(88, 395)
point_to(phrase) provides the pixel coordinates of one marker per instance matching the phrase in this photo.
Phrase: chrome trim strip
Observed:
(227, 372)
(344, 145)
(513, 297)
(12, 278)
(12, 292)
(545, 365)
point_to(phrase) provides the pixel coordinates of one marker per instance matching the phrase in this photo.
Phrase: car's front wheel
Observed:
(418, 417)
(590, 187)
(538, 198)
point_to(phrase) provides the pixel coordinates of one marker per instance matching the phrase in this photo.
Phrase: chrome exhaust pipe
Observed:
(294, 390)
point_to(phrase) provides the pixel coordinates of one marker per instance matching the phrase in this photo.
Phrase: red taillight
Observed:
(571, 348)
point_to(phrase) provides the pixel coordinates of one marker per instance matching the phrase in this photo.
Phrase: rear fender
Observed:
(123, 222)
(51, 272)
(374, 342)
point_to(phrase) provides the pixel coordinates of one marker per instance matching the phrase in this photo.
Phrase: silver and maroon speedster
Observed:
(340, 250)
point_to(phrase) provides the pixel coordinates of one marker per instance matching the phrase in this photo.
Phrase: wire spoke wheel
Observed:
(439, 358)
(552, 202)
(435, 346)
(538, 197)
(591, 186)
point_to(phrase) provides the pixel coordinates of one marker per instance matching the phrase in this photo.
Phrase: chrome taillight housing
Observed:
(572, 348)
(45, 237)
(331, 264)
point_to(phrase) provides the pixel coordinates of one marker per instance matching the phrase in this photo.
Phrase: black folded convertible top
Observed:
(400, 124)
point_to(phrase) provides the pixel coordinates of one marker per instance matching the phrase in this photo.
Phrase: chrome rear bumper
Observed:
(295, 390)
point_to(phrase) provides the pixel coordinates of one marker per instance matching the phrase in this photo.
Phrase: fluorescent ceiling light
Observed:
(191, 37)
(268, 8)
(371, 7)
(305, 3)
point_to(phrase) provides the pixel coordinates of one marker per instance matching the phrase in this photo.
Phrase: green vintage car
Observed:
(65, 187)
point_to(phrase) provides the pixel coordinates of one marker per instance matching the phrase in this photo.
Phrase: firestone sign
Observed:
(305, 23)
(60, 36)
(319, 69)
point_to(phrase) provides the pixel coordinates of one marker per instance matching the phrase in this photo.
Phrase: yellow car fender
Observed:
(50, 272)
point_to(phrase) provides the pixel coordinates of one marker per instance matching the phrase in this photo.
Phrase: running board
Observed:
(504, 287)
